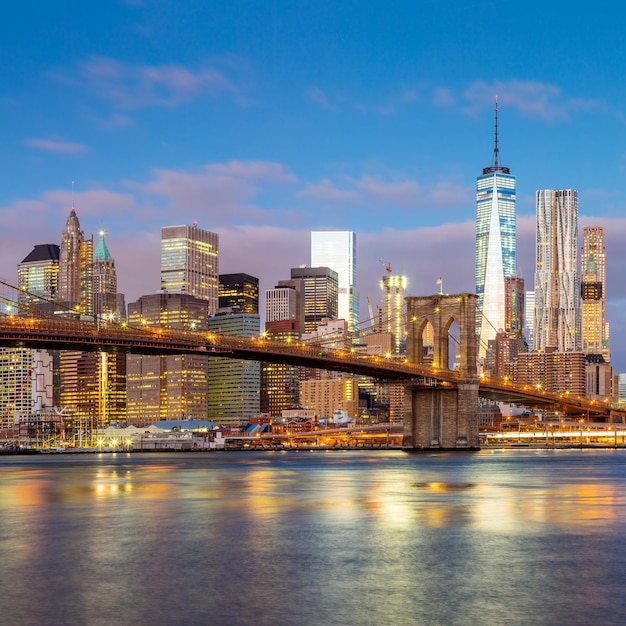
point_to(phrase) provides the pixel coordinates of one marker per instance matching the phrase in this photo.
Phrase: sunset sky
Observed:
(265, 120)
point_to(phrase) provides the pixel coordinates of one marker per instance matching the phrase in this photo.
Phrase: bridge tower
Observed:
(443, 417)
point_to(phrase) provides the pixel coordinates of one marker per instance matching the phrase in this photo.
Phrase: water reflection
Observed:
(300, 538)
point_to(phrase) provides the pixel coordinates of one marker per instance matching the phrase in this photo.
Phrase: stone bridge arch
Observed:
(442, 417)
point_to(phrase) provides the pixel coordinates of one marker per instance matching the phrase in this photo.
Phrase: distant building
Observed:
(189, 263)
(76, 268)
(240, 291)
(320, 287)
(595, 330)
(38, 275)
(234, 385)
(336, 249)
(552, 372)
(329, 394)
(105, 300)
(173, 386)
(394, 309)
(529, 320)
(557, 284)
(495, 245)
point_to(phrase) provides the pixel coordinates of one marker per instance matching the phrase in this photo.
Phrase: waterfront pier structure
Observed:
(442, 417)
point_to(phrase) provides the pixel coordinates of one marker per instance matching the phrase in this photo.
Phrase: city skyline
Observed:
(265, 127)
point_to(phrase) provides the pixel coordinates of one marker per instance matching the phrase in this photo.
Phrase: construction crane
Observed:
(386, 265)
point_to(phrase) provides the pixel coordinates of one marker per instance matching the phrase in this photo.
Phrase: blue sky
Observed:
(266, 120)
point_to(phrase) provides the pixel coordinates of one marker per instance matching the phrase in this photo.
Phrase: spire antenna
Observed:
(72, 194)
(496, 149)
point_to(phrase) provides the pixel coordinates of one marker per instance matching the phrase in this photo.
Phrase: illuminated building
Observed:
(552, 372)
(105, 296)
(595, 331)
(280, 384)
(495, 245)
(189, 263)
(320, 288)
(234, 385)
(557, 289)
(26, 383)
(394, 310)
(173, 386)
(38, 274)
(239, 291)
(329, 394)
(76, 267)
(337, 250)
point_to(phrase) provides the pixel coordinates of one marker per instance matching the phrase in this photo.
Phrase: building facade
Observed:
(337, 250)
(495, 245)
(595, 329)
(320, 287)
(234, 385)
(240, 291)
(557, 283)
(190, 263)
(394, 309)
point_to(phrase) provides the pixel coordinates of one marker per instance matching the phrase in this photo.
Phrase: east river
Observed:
(363, 538)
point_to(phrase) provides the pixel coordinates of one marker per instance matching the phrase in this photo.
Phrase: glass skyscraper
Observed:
(189, 263)
(495, 245)
(336, 249)
(557, 282)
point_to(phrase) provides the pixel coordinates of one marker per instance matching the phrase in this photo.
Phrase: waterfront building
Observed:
(75, 286)
(495, 245)
(329, 394)
(189, 263)
(26, 384)
(240, 291)
(336, 249)
(394, 309)
(320, 289)
(595, 329)
(234, 385)
(173, 386)
(557, 283)
(280, 384)
(552, 371)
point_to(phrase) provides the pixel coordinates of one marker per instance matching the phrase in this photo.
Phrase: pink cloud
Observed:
(56, 146)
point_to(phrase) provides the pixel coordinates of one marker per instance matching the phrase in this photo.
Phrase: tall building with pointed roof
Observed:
(495, 245)
(76, 267)
(104, 282)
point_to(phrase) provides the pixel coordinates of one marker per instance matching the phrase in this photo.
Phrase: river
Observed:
(297, 538)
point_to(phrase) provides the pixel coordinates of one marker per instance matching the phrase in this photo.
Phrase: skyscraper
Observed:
(595, 332)
(394, 312)
(76, 267)
(320, 286)
(38, 275)
(495, 245)
(189, 262)
(336, 249)
(104, 282)
(557, 289)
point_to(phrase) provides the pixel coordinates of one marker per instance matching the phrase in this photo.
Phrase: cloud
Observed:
(56, 146)
(222, 190)
(408, 95)
(531, 98)
(138, 86)
(374, 191)
(319, 97)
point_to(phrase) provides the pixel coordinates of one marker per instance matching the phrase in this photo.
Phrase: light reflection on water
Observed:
(516, 537)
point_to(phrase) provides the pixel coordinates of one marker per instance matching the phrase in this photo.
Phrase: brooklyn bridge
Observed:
(441, 404)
